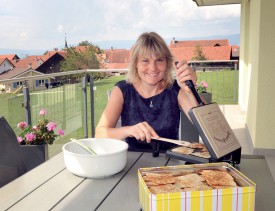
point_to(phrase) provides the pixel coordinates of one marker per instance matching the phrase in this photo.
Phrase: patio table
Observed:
(51, 186)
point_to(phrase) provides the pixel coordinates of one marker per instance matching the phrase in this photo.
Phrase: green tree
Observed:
(198, 54)
(82, 58)
(85, 43)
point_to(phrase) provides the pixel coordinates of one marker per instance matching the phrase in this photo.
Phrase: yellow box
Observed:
(236, 198)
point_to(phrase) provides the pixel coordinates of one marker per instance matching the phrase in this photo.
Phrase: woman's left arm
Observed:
(186, 98)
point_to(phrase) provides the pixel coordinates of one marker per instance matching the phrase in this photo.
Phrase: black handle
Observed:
(191, 86)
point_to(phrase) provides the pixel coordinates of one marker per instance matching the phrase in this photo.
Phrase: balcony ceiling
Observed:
(216, 2)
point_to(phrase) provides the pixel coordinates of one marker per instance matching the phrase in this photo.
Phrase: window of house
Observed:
(41, 82)
(19, 83)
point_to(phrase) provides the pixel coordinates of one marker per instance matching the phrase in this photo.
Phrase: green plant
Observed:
(201, 88)
(43, 133)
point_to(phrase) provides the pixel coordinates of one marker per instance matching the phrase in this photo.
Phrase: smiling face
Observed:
(151, 69)
(151, 61)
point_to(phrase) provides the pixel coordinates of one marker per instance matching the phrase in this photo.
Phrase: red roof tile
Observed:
(34, 61)
(211, 53)
(117, 56)
(6, 59)
(13, 73)
(194, 43)
(9, 56)
(49, 54)
(80, 49)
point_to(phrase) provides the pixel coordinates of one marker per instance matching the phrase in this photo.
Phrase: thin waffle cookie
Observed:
(197, 145)
(201, 154)
(190, 180)
(218, 178)
(155, 178)
(183, 150)
(168, 188)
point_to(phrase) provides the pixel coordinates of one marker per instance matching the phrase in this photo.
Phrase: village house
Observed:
(5, 65)
(51, 62)
(20, 72)
(30, 66)
(116, 58)
(9, 57)
(219, 52)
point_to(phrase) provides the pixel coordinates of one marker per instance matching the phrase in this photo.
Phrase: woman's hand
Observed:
(183, 73)
(142, 131)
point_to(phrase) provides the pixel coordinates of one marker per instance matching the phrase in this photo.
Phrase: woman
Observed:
(149, 101)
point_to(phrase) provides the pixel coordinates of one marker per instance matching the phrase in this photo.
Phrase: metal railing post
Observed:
(235, 83)
(92, 107)
(26, 104)
(84, 91)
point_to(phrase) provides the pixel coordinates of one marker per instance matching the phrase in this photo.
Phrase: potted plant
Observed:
(34, 140)
(202, 90)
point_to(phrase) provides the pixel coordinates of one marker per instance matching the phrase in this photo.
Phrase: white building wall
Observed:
(6, 65)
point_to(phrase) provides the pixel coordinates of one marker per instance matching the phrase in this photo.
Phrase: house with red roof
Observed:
(193, 43)
(30, 66)
(51, 62)
(9, 56)
(5, 65)
(219, 51)
(19, 72)
(116, 58)
(29, 61)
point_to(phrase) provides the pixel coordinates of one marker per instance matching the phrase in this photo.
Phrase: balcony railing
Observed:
(71, 106)
(77, 107)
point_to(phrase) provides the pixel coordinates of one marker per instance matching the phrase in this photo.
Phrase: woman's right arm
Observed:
(106, 127)
(109, 118)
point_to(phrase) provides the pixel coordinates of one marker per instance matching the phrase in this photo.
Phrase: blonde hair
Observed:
(151, 44)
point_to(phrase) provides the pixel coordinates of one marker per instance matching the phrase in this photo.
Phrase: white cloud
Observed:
(95, 20)
(23, 35)
(60, 28)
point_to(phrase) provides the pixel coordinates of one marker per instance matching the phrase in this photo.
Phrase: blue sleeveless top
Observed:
(163, 115)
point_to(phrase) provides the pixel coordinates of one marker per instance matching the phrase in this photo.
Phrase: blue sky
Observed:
(37, 24)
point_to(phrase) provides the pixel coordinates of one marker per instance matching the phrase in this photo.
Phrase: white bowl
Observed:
(110, 157)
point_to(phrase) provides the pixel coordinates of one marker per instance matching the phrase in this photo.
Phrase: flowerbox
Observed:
(34, 155)
(207, 96)
(231, 198)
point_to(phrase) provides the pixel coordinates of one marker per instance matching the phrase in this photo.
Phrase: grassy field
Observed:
(65, 104)
(221, 85)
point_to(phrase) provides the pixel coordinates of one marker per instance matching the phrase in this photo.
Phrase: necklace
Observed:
(151, 102)
(151, 105)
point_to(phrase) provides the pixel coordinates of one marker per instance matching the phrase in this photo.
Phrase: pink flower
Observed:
(30, 136)
(204, 84)
(22, 125)
(43, 112)
(51, 126)
(60, 132)
(35, 128)
(19, 139)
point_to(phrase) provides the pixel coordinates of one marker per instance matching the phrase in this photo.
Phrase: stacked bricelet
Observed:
(164, 182)
(196, 149)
